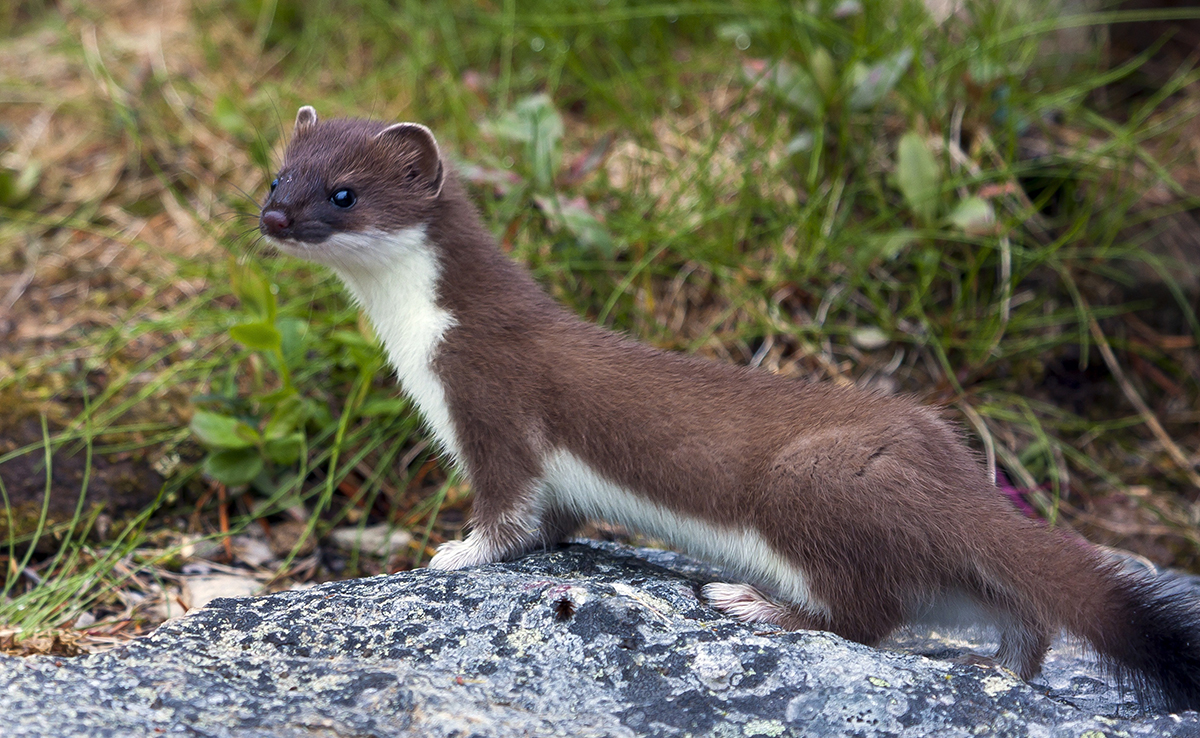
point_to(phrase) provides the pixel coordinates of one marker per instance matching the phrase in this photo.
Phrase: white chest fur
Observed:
(394, 278)
(573, 485)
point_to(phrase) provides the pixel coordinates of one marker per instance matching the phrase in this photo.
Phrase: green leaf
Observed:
(221, 431)
(261, 153)
(918, 176)
(258, 336)
(742, 27)
(974, 215)
(234, 467)
(228, 115)
(253, 289)
(248, 434)
(802, 143)
(535, 121)
(319, 413)
(383, 406)
(273, 398)
(366, 359)
(292, 332)
(928, 260)
(588, 229)
(792, 85)
(285, 450)
(820, 64)
(290, 414)
(543, 150)
(351, 338)
(15, 187)
(886, 246)
(873, 83)
(577, 218)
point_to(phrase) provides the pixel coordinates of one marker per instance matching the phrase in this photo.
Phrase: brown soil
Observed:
(118, 485)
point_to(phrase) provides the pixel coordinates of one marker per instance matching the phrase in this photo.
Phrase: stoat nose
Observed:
(275, 222)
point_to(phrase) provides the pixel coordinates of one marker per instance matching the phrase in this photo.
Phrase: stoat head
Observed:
(350, 191)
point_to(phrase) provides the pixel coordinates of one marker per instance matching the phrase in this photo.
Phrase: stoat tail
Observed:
(1152, 638)
(1145, 629)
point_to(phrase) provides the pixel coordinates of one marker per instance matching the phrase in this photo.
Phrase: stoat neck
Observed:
(482, 287)
(399, 296)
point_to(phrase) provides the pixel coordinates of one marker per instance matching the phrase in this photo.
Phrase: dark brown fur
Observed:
(876, 499)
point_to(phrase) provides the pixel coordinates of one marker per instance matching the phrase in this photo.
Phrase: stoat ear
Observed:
(306, 118)
(415, 144)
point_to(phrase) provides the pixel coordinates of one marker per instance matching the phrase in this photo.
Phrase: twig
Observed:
(18, 288)
(1019, 200)
(1012, 462)
(1006, 287)
(223, 518)
(1124, 529)
(1143, 409)
(767, 344)
(194, 520)
(989, 443)
(958, 159)
(819, 317)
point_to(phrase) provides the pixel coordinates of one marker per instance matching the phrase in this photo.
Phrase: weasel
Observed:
(838, 509)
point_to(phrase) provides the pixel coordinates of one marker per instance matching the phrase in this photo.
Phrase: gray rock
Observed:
(591, 640)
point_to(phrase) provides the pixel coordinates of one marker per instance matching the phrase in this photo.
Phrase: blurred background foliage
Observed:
(990, 204)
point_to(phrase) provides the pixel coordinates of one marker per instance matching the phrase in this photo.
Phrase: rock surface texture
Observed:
(590, 640)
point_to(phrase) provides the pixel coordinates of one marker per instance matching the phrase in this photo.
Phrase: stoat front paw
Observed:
(462, 554)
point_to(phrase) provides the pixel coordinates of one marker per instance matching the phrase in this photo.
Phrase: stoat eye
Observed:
(343, 198)
(274, 184)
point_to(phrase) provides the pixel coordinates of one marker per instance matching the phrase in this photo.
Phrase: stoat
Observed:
(837, 509)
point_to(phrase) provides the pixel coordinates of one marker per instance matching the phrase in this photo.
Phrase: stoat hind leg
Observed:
(1023, 646)
(556, 525)
(745, 603)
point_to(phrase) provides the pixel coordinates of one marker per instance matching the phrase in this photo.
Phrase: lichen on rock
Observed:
(493, 652)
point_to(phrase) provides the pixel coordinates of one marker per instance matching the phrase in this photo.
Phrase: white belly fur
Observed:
(574, 486)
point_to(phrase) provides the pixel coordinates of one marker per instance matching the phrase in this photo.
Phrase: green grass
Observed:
(845, 196)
